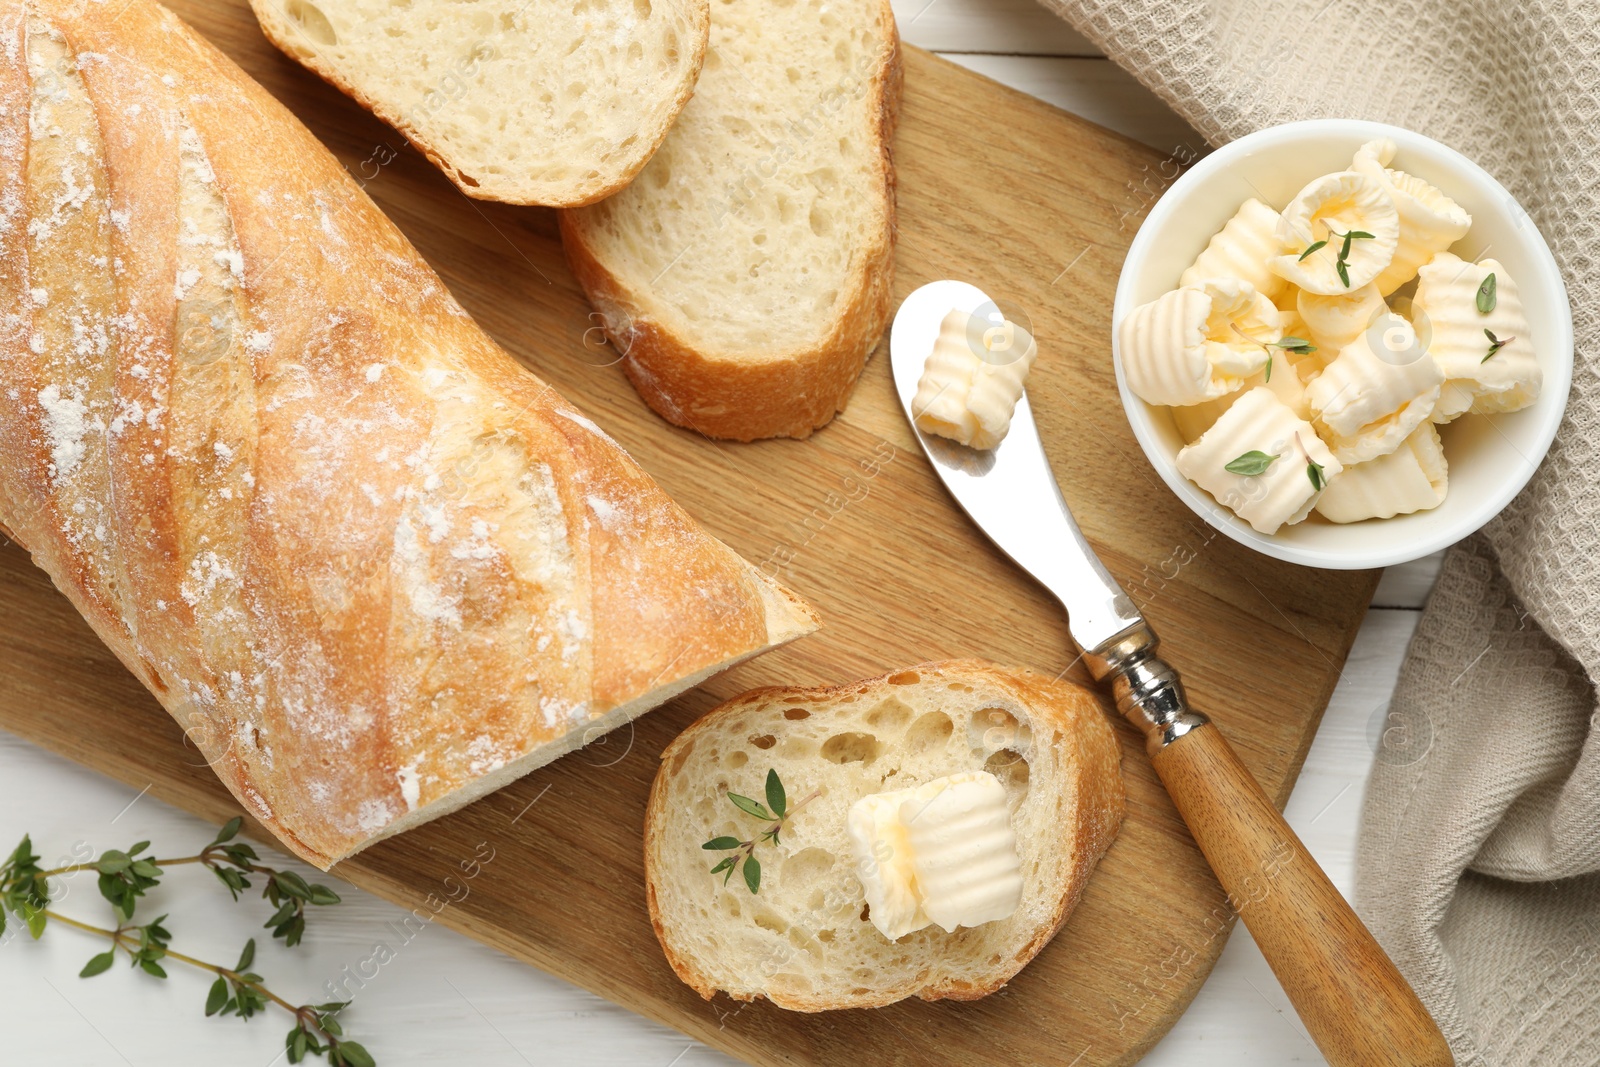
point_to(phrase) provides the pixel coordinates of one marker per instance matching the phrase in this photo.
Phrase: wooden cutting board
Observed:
(1037, 207)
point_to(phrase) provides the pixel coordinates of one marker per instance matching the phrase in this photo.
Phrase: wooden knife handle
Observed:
(1352, 999)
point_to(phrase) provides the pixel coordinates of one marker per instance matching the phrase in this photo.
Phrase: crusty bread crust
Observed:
(1068, 721)
(372, 566)
(729, 395)
(616, 175)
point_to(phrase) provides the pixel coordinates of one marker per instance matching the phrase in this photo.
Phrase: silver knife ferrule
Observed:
(1148, 692)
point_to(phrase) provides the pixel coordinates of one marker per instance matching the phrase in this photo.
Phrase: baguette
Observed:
(804, 941)
(522, 101)
(745, 277)
(371, 565)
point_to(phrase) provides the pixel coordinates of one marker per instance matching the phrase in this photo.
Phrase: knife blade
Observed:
(1010, 492)
(1354, 1002)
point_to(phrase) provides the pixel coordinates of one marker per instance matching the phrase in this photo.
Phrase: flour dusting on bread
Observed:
(368, 598)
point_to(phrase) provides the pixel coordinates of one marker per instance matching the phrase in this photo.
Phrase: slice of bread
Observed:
(745, 277)
(805, 940)
(524, 101)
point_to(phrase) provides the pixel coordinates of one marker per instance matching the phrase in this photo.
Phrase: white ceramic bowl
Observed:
(1491, 457)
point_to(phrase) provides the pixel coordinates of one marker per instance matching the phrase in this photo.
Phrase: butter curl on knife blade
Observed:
(1353, 1000)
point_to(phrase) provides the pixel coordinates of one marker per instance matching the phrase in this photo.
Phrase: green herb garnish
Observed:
(1314, 472)
(124, 876)
(1488, 294)
(1315, 246)
(1495, 345)
(1298, 345)
(1341, 265)
(776, 813)
(1250, 464)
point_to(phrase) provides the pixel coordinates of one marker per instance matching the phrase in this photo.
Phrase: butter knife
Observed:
(1352, 999)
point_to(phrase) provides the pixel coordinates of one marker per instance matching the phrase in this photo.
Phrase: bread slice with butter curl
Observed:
(805, 941)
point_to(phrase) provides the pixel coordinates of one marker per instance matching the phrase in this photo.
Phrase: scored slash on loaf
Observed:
(373, 567)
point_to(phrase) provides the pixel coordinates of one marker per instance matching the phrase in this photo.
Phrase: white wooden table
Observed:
(446, 999)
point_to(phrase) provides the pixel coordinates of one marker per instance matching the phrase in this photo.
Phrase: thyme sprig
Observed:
(1495, 345)
(776, 813)
(123, 878)
(1298, 345)
(1342, 263)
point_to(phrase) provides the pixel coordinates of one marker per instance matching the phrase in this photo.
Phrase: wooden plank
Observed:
(996, 187)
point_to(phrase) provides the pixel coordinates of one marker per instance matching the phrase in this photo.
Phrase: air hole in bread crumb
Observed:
(905, 678)
(768, 921)
(891, 714)
(763, 741)
(930, 732)
(255, 736)
(797, 748)
(825, 936)
(796, 714)
(804, 867)
(682, 757)
(467, 179)
(312, 22)
(735, 760)
(866, 913)
(851, 748)
(993, 729)
(1013, 772)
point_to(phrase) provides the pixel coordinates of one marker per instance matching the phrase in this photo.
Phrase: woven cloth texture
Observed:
(1478, 865)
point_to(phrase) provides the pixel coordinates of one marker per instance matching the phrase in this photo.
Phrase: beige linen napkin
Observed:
(1479, 860)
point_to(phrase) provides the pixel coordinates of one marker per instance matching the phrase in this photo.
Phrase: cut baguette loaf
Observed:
(805, 941)
(371, 565)
(523, 101)
(745, 277)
